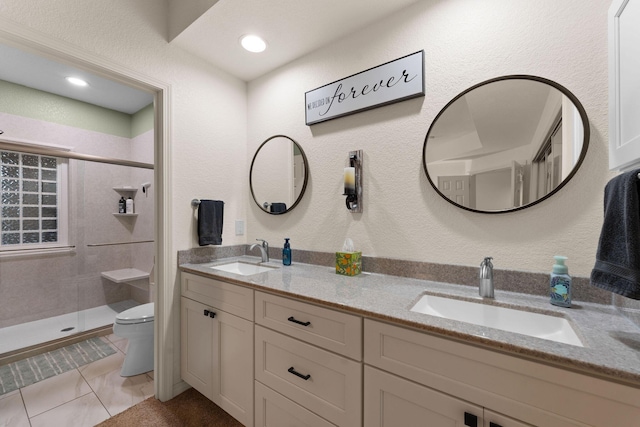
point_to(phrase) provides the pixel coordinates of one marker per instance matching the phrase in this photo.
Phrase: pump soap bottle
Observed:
(286, 252)
(560, 283)
(129, 205)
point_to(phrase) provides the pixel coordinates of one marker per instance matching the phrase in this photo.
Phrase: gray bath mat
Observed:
(37, 368)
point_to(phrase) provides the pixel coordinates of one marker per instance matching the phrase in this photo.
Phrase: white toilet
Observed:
(136, 324)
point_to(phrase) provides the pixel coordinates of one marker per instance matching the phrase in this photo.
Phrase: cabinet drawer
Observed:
(326, 328)
(275, 410)
(224, 296)
(321, 381)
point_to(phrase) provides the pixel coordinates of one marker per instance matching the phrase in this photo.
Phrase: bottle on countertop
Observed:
(129, 205)
(122, 205)
(560, 283)
(286, 252)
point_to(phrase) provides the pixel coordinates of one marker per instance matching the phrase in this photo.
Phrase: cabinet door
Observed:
(391, 401)
(217, 358)
(624, 86)
(232, 361)
(196, 346)
(493, 419)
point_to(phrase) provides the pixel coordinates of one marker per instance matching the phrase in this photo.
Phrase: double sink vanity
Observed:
(300, 345)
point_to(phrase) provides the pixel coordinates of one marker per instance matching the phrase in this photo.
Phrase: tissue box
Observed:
(349, 263)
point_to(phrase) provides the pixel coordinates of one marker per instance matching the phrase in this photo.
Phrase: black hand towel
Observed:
(617, 267)
(210, 215)
(278, 207)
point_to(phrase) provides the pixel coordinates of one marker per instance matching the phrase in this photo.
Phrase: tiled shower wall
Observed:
(36, 287)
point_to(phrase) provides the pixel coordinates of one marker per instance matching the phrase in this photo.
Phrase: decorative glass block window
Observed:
(33, 210)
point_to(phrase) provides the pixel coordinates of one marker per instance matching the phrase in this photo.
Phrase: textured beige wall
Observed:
(465, 42)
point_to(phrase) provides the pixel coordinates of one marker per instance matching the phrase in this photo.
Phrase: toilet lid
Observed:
(138, 314)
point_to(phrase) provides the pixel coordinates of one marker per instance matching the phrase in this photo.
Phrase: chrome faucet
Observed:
(486, 278)
(264, 249)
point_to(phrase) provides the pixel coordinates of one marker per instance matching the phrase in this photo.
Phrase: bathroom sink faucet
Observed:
(264, 249)
(486, 278)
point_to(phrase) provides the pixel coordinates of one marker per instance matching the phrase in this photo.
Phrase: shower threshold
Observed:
(40, 331)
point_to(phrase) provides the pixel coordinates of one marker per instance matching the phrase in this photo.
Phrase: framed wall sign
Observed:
(385, 84)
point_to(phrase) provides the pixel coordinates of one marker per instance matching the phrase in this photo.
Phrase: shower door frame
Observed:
(16, 35)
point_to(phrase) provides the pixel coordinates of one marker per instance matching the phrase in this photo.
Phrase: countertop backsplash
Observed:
(505, 280)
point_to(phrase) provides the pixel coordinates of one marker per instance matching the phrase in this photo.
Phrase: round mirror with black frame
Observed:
(278, 175)
(506, 144)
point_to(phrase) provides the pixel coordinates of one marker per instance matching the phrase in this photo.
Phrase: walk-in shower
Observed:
(69, 260)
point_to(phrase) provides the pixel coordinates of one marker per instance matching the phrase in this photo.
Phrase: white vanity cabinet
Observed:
(217, 343)
(411, 376)
(274, 361)
(308, 366)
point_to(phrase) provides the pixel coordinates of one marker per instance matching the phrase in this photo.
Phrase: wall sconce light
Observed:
(353, 182)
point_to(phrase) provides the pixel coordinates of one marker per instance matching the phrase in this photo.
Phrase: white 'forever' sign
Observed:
(394, 81)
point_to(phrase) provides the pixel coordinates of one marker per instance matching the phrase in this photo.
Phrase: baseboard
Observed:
(180, 388)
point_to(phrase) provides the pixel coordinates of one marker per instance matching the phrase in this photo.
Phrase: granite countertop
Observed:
(611, 342)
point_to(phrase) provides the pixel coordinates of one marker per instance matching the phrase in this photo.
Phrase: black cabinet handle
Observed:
(209, 313)
(206, 312)
(294, 320)
(298, 374)
(470, 420)
(494, 425)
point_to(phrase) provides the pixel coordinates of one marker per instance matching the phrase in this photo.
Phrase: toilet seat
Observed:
(139, 314)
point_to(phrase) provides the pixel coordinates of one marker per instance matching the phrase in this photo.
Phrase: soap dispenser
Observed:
(286, 252)
(129, 205)
(560, 283)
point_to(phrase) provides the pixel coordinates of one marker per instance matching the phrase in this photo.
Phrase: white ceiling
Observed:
(291, 28)
(34, 71)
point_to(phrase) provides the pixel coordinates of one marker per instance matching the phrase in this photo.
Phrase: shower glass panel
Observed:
(62, 239)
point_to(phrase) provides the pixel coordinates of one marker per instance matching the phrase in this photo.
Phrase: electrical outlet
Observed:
(239, 227)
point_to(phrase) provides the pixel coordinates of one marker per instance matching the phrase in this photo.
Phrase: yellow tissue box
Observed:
(349, 263)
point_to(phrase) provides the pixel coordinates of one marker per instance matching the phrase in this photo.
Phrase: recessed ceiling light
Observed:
(253, 43)
(76, 81)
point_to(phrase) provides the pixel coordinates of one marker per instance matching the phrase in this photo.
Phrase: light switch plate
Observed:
(239, 227)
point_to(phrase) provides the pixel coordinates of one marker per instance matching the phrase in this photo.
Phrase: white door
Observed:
(458, 189)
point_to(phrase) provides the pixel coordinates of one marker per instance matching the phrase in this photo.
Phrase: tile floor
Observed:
(82, 397)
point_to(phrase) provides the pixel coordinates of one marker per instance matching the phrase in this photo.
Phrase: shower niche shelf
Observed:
(125, 190)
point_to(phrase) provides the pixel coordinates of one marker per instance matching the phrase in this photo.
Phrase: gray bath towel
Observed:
(210, 216)
(617, 267)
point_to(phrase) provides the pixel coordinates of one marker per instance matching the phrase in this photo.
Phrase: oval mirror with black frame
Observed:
(506, 144)
(278, 175)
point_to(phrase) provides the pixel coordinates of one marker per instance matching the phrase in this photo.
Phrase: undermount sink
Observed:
(243, 268)
(507, 319)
